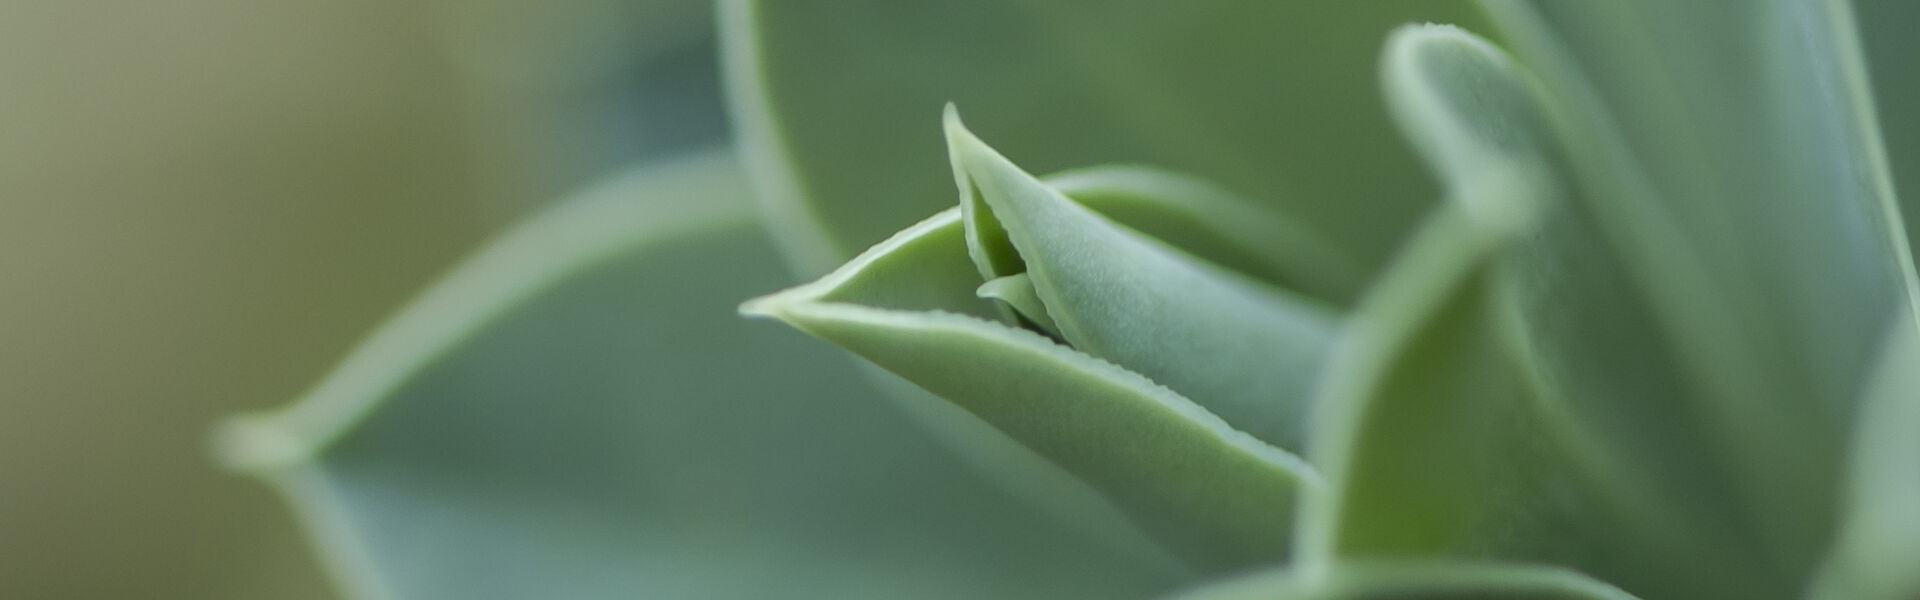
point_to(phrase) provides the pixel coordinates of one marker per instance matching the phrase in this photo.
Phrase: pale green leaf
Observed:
(1273, 100)
(1017, 292)
(1463, 416)
(1246, 351)
(1204, 220)
(578, 412)
(1412, 581)
(1218, 497)
(1729, 154)
(1872, 558)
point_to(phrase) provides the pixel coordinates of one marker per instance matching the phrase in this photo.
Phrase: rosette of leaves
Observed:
(1627, 311)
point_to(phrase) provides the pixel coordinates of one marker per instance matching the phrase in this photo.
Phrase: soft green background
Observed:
(201, 204)
(204, 203)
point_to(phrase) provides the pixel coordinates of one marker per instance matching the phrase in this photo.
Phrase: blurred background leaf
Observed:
(204, 202)
(1887, 33)
(578, 411)
(1275, 101)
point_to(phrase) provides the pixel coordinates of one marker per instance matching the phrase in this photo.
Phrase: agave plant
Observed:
(1643, 326)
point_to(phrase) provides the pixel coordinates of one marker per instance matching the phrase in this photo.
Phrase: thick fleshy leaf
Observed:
(1218, 497)
(579, 413)
(1248, 352)
(1273, 100)
(1413, 581)
(1727, 152)
(1873, 557)
(1452, 427)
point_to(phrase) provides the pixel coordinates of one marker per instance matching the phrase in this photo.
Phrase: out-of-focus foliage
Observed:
(1885, 31)
(1273, 100)
(1641, 345)
(202, 204)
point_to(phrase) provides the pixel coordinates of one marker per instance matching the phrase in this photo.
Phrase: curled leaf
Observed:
(1214, 495)
(1245, 350)
(1017, 291)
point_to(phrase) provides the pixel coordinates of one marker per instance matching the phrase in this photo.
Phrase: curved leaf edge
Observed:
(1674, 276)
(795, 224)
(1391, 579)
(1870, 557)
(1458, 238)
(1441, 259)
(1504, 180)
(847, 316)
(1290, 250)
(603, 222)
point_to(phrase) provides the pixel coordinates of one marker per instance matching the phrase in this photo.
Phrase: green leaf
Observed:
(1273, 100)
(577, 412)
(1872, 557)
(1226, 229)
(1218, 497)
(1728, 153)
(1885, 28)
(1413, 581)
(1245, 351)
(1438, 445)
(1017, 292)
(1465, 414)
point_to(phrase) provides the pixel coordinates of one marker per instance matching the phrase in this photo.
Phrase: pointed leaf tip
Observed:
(1245, 350)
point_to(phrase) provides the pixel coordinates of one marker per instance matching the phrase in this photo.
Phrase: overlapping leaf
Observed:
(1466, 417)
(1215, 495)
(1727, 152)
(1246, 351)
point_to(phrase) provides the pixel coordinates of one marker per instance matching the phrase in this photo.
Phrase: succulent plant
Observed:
(1644, 326)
